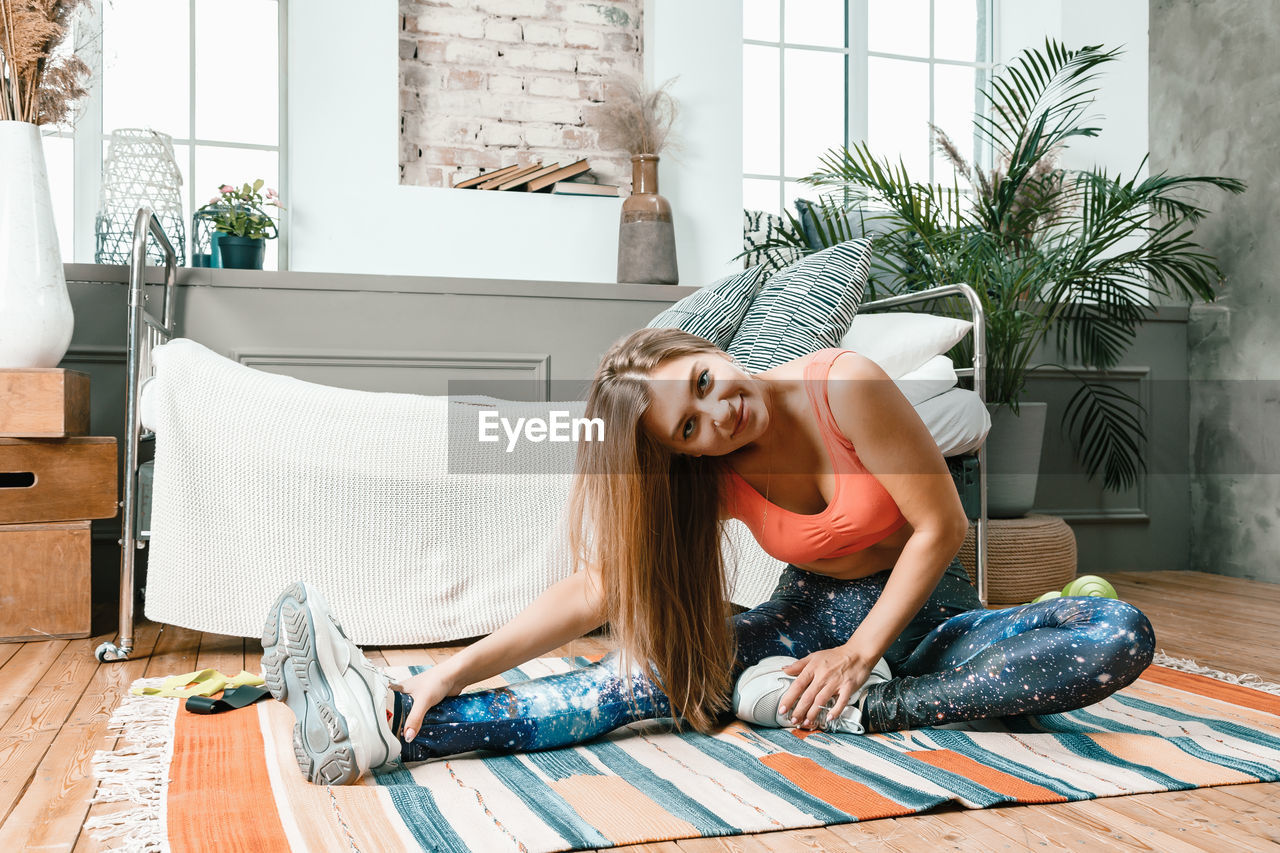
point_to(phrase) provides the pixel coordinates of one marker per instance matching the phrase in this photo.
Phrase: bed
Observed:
(262, 479)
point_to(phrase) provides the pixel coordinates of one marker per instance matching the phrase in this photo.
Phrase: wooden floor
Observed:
(55, 700)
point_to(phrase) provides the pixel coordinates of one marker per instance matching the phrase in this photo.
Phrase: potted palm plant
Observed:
(1076, 254)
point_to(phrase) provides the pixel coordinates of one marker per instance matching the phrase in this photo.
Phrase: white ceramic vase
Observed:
(35, 309)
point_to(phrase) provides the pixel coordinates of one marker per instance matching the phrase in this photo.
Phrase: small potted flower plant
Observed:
(241, 223)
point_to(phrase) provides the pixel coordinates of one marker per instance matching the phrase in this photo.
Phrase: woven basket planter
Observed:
(1025, 557)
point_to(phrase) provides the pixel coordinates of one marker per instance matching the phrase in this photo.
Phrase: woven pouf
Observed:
(1025, 557)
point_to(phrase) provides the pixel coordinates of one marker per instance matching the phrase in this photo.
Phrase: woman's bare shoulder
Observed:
(871, 410)
(850, 366)
(793, 369)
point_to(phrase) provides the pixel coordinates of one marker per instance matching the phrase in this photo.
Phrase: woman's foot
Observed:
(340, 700)
(760, 688)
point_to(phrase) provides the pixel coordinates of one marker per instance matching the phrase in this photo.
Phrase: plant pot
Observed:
(646, 235)
(1013, 459)
(35, 310)
(241, 253)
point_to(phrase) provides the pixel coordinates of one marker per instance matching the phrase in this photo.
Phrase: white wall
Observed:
(1121, 102)
(701, 44)
(350, 214)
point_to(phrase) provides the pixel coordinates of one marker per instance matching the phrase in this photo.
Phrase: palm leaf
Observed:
(1106, 432)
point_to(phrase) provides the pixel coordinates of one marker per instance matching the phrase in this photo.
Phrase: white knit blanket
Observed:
(263, 479)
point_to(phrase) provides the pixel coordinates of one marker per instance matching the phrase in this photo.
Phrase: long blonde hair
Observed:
(649, 519)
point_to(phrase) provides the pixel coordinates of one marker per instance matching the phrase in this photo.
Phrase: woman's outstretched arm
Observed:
(896, 447)
(567, 610)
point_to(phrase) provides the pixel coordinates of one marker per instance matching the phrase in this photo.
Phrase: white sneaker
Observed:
(760, 688)
(339, 698)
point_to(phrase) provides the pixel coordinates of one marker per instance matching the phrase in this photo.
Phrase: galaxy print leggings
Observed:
(955, 661)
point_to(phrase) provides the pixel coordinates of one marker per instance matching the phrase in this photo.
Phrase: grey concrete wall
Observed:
(1214, 86)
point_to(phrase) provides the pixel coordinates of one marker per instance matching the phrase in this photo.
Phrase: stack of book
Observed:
(572, 179)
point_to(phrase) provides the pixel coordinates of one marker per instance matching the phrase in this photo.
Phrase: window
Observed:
(818, 74)
(206, 72)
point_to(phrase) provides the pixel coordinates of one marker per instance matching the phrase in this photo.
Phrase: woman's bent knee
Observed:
(1126, 642)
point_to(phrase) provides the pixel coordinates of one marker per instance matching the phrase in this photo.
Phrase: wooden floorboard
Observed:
(51, 811)
(55, 701)
(1231, 624)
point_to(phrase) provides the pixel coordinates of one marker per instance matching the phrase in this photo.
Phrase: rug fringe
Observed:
(136, 771)
(1247, 679)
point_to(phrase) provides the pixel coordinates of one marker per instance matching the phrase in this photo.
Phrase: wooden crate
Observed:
(43, 402)
(69, 479)
(44, 581)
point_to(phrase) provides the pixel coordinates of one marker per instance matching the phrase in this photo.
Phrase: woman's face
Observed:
(704, 404)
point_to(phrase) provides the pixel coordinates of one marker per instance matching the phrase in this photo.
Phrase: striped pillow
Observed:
(760, 230)
(715, 311)
(804, 308)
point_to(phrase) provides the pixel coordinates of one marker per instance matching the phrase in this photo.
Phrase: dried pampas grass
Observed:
(634, 117)
(1042, 190)
(36, 85)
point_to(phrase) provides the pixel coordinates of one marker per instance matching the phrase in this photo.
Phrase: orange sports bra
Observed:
(860, 514)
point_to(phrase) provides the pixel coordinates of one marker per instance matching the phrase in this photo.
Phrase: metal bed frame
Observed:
(145, 332)
(977, 372)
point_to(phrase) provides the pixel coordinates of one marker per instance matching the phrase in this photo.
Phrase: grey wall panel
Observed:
(1147, 527)
(403, 372)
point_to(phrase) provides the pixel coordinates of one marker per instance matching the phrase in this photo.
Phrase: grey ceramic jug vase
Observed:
(646, 236)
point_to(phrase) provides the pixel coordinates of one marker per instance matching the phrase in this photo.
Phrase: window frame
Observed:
(857, 76)
(88, 135)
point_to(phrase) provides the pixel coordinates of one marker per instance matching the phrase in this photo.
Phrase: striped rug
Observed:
(1170, 730)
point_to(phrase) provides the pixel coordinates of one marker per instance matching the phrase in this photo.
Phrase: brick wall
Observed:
(487, 83)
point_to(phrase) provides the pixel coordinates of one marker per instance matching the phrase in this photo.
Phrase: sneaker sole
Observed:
(299, 666)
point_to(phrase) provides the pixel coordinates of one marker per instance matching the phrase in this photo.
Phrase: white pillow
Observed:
(902, 341)
(957, 420)
(936, 375)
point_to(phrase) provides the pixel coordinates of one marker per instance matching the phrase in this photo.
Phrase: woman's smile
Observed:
(743, 414)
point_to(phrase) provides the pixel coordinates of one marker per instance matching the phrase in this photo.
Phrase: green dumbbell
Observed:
(1090, 585)
(1053, 593)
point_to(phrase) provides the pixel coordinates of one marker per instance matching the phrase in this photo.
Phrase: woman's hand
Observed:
(427, 689)
(835, 672)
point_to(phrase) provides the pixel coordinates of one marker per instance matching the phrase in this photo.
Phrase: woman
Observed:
(690, 438)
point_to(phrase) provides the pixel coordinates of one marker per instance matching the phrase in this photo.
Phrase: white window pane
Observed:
(898, 26)
(761, 77)
(59, 160)
(145, 66)
(818, 22)
(793, 191)
(182, 154)
(954, 103)
(762, 195)
(814, 102)
(237, 99)
(898, 113)
(959, 30)
(760, 20)
(216, 166)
